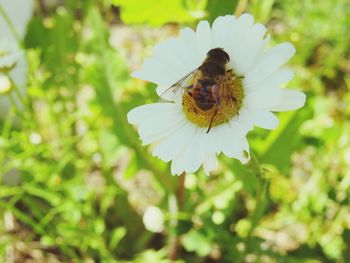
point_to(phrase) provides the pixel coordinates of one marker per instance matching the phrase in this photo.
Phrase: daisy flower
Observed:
(9, 54)
(185, 134)
(5, 84)
(19, 12)
(153, 219)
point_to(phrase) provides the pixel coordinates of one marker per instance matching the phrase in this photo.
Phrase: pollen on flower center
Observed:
(226, 107)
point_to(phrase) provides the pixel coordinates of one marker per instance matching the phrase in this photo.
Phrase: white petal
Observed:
(156, 121)
(11, 52)
(160, 126)
(191, 158)
(5, 84)
(169, 147)
(10, 59)
(157, 72)
(240, 125)
(172, 60)
(291, 100)
(245, 146)
(181, 54)
(276, 79)
(260, 53)
(264, 119)
(189, 49)
(240, 38)
(252, 45)
(182, 57)
(262, 99)
(221, 29)
(270, 62)
(165, 53)
(19, 12)
(169, 93)
(204, 39)
(185, 58)
(213, 140)
(210, 163)
(243, 142)
(143, 113)
(230, 144)
(196, 151)
(275, 99)
(240, 29)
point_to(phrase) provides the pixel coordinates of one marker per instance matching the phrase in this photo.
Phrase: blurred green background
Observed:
(75, 180)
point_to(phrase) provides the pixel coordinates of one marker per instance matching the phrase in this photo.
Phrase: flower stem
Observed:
(262, 198)
(14, 104)
(18, 94)
(180, 198)
(241, 6)
(180, 193)
(8, 122)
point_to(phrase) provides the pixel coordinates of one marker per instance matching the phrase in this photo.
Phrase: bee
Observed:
(210, 85)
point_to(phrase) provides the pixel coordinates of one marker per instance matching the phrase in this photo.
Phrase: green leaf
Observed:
(156, 13)
(279, 145)
(217, 8)
(117, 235)
(222, 195)
(195, 241)
(49, 196)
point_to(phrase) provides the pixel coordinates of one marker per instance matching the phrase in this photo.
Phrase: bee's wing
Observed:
(225, 95)
(181, 85)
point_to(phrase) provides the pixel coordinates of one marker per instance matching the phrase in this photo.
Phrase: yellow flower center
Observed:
(222, 111)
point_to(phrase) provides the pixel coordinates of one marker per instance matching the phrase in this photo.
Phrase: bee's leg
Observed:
(237, 109)
(189, 87)
(188, 90)
(212, 118)
(230, 71)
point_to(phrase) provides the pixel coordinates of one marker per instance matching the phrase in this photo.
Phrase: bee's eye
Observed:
(226, 56)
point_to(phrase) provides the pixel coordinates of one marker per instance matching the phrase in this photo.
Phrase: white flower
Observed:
(9, 54)
(5, 84)
(153, 219)
(35, 138)
(19, 13)
(178, 139)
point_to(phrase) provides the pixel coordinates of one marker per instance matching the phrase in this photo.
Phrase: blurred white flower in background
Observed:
(35, 138)
(5, 84)
(18, 14)
(153, 219)
(9, 54)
